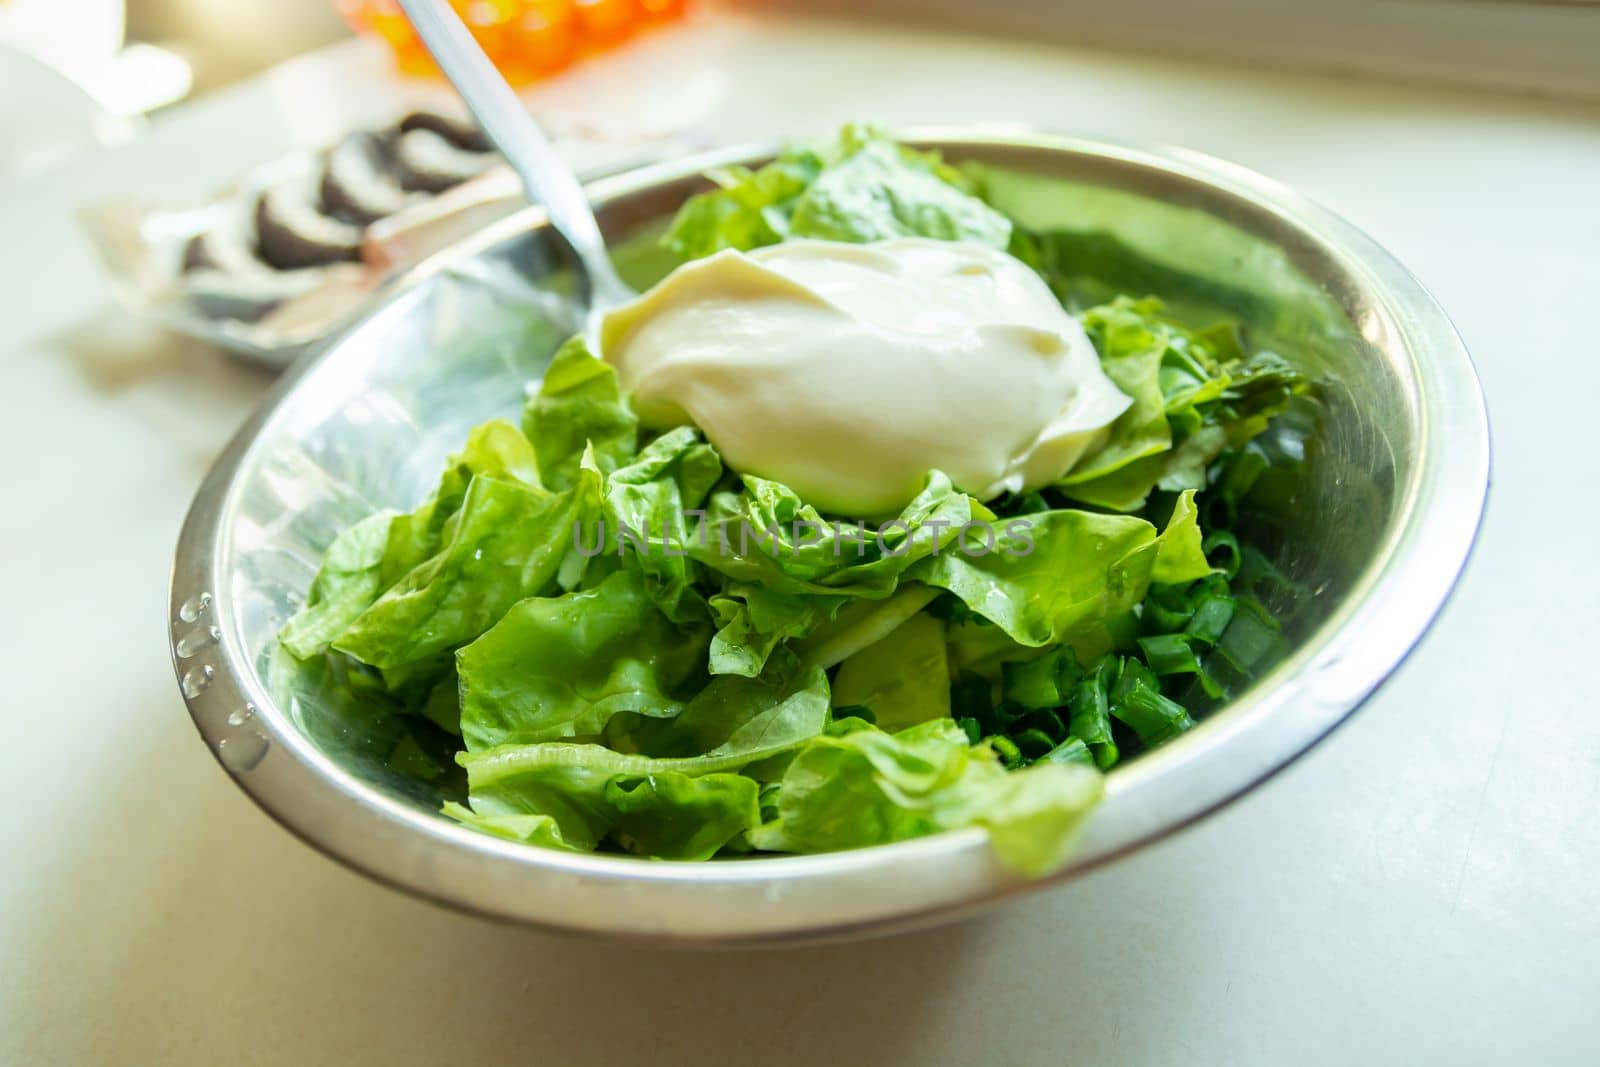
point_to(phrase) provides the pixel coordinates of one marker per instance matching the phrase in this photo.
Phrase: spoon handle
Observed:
(545, 175)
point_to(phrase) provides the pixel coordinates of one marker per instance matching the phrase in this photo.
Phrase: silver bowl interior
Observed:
(1379, 532)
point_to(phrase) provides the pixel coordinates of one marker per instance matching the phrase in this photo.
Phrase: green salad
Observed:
(712, 695)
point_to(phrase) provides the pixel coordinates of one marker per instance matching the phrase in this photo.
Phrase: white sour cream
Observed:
(848, 371)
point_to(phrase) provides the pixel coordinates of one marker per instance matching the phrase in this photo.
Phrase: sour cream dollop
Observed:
(848, 371)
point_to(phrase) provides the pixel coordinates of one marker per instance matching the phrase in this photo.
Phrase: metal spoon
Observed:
(545, 175)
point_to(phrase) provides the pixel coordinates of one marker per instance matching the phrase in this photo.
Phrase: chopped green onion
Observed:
(1072, 750)
(1007, 750)
(1166, 608)
(1032, 683)
(1123, 629)
(1034, 743)
(1241, 473)
(1221, 512)
(1047, 720)
(1250, 639)
(1029, 503)
(1007, 716)
(1169, 654)
(1223, 675)
(1137, 701)
(768, 800)
(1223, 543)
(1210, 619)
(1043, 682)
(1090, 719)
(1163, 617)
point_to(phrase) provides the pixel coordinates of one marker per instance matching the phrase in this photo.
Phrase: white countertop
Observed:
(1423, 888)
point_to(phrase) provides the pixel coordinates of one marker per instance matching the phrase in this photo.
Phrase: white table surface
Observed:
(1423, 888)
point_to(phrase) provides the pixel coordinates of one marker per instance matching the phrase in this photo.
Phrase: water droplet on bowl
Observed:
(196, 639)
(195, 607)
(241, 752)
(195, 680)
(242, 716)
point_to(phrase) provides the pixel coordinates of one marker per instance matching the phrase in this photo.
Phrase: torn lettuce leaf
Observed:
(556, 667)
(496, 450)
(862, 187)
(647, 506)
(1195, 393)
(903, 678)
(1131, 348)
(347, 583)
(733, 721)
(373, 554)
(579, 405)
(1180, 553)
(752, 621)
(1084, 569)
(788, 571)
(767, 535)
(858, 786)
(882, 191)
(505, 544)
(575, 797)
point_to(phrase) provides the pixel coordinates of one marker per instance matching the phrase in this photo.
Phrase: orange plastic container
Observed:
(527, 39)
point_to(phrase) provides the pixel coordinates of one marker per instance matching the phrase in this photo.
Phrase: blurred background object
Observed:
(134, 56)
(82, 84)
(1544, 46)
(224, 42)
(527, 39)
(61, 120)
(86, 41)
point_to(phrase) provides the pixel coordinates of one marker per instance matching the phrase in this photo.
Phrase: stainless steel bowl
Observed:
(1381, 534)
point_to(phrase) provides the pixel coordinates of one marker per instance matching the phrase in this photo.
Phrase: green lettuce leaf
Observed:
(579, 405)
(1196, 393)
(861, 623)
(678, 799)
(766, 535)
(1131, 346)
(752, 621)
(1180, 556)
(883, 191)
(858, 786)
(903, 679)
(646, 504)
(495, 449)
(1084, 569)
(506, 543)
(789, 572)
(577, 796)
(733, 721)
(370, 556)
(349, 580)
(750, 209)
(861, 187)
(556, 667)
